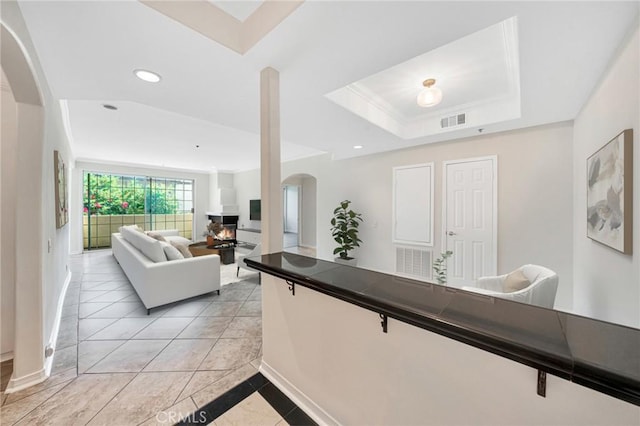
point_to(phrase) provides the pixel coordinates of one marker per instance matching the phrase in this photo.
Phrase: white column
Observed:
(270, 181)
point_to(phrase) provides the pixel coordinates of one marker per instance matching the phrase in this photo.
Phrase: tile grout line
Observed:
(6, 396)
(208, 352)
(99, 361)
(198, 369)
(189, 377)
(113, 397)
(38, 406)
(205, 357)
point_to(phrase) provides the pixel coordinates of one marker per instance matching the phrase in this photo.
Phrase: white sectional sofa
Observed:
(157, 280)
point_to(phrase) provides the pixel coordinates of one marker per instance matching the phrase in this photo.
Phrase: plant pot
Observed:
(350, 261)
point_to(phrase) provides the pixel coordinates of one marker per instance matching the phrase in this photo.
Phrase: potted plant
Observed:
(440, 267)
(344, 229)
(213, 229)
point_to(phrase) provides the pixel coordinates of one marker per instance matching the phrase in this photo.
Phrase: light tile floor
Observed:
(116, 365)
(252, 411)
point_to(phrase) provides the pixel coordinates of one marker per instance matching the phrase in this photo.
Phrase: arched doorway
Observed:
(23, 223)
(299, 213)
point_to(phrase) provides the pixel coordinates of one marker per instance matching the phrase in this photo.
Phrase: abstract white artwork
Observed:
(609, 193)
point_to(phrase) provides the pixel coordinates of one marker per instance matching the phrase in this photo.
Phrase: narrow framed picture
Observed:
(610, 193)
(60, 179)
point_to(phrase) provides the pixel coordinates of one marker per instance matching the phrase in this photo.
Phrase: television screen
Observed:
(254, 209)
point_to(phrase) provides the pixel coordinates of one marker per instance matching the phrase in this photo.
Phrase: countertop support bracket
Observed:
(292, 287)
(384, 323)
(542, 383)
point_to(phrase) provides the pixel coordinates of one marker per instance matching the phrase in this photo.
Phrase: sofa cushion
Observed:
(171, 252)
(182, 249)
(515, 281)
(177, 239)
(147, 245)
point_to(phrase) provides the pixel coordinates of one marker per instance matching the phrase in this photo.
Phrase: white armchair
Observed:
(541, 291)
(255, 252)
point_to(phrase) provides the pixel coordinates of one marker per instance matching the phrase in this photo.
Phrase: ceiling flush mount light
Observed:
(429, 96)
(148, 76)
(357, 147)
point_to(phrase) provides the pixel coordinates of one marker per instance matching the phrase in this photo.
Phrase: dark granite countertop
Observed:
(600, 355)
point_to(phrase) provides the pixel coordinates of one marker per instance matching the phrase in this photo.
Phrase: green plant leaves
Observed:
(440, 267)
(344, 228)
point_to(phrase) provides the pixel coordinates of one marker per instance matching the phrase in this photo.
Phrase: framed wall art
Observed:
(610, 193)
(60, 180)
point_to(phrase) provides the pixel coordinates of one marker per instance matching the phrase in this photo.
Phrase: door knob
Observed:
(451, 233)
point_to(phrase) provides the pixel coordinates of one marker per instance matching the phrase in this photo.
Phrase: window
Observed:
(111, 201)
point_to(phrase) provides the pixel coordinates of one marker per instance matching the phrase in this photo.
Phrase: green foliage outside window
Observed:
(122, 195)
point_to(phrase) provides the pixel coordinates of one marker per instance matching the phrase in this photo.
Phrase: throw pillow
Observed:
(177, 239)
(156, 236)
(171, 252)
(182, 249)
(515, 281)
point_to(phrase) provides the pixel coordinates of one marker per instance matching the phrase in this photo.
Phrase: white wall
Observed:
(9, 158)
(607, 283)
(42, 251)
(200, 196)
(247, 186)
(309, 211)
(534, 197)
(222, 195)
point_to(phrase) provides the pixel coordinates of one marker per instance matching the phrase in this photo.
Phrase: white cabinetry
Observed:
(252, 236)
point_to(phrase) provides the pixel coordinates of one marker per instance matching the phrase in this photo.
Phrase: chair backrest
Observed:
(255, 252)
(544, 285)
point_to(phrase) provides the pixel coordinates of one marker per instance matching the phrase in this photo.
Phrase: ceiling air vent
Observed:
(454, 120)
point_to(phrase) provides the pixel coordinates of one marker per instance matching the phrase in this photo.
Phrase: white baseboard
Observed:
(18, 383)
(48, 361)
(298, 397)
(6, 356)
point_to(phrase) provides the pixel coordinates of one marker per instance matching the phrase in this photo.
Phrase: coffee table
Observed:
(227, 254)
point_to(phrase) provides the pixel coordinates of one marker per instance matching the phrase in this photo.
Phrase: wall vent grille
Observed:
(413, 262)
(454, 120)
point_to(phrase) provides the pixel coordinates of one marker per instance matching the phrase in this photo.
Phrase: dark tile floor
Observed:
(254, 401)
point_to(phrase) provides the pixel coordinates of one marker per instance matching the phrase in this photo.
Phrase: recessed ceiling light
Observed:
(148, 76)
(111, 107)
(357, 147)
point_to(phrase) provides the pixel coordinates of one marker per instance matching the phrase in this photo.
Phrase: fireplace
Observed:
(229, 227)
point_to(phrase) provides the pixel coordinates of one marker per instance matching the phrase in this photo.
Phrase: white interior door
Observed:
(470, 219)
